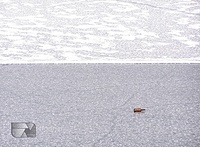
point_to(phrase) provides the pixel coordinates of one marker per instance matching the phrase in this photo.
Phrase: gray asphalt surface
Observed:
(91, 105)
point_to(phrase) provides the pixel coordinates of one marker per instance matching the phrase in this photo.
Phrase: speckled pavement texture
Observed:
(91, 105)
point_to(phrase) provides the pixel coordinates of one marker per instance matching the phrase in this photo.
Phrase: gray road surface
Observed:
(91, 105)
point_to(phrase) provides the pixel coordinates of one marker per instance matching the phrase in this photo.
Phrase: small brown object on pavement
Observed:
(139, 110)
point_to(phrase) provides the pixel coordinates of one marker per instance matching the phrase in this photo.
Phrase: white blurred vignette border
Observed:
(99, 31)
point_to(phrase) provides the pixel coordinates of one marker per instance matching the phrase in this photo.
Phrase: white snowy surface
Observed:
(91, 105)
(39, 31)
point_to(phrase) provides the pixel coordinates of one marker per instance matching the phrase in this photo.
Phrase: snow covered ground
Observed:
(91, 105)
(99, 31)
